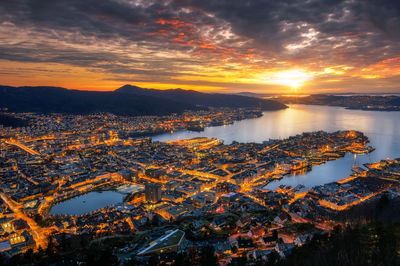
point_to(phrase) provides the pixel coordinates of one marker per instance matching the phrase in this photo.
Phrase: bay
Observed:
(382, 129)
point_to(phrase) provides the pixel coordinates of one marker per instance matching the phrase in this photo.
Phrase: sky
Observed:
(229, 46)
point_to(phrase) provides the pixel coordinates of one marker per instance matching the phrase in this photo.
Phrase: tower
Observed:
(153, 192)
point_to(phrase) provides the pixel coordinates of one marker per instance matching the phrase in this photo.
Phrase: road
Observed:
(22, 146)
(326, 226)
(39, 234)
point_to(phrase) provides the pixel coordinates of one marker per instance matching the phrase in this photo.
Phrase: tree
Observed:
(156, 220)
(242, 260)
(275, 234)
(50, 247)
(207, 256)
(64, 245)
(132, 261)
(383, 202)
(273, 258)
(234, 249)
(181, 259)
(154, 260)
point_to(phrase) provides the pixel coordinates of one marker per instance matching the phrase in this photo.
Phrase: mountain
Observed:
(360, 102)
(257, 95)
(60, 100)
(127, 100)
(395, 101)
(204, 99)
(250, 94)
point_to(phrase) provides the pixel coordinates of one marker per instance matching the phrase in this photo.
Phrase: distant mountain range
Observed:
(255, 95)
(362, 102)
(204, 99)
(127, 100)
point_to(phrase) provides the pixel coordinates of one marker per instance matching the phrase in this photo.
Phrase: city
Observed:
(188, 189)
(199, 132)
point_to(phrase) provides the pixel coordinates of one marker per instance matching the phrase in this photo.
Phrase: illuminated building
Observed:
(169, 242)
(153, 192)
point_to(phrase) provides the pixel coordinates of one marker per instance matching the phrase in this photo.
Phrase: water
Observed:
(87, 203)
(382, 129)
(94, 200)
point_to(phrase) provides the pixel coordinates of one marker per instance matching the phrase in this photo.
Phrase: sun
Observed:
(294, 78)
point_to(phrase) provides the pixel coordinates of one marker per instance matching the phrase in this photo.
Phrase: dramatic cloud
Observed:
(229, 45)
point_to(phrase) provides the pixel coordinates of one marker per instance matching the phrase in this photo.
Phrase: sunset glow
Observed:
(348, 46)
(292, 78)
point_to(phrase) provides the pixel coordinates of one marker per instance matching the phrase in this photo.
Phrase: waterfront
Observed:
(195, 177)
(87, 203)
(94, 200)
(382, 129)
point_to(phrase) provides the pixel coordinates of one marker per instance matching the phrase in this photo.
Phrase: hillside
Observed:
(362, 102)
(204, 99)
(60, 100)
(127, 100)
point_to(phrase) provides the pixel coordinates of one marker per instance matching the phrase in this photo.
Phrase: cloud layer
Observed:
(230, 45)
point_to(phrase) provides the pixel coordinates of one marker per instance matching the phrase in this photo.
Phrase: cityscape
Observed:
(179, 192)
(199, 132)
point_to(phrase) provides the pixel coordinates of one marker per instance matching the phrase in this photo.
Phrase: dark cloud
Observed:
(54, 28)
(273, 25)
(102, 19)
(88, 17)
(170, 37)
(367, 26)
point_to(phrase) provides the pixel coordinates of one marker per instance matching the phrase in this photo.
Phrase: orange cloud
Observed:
(383, 69)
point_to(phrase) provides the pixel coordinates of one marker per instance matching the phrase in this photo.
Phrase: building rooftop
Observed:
(168, 241)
